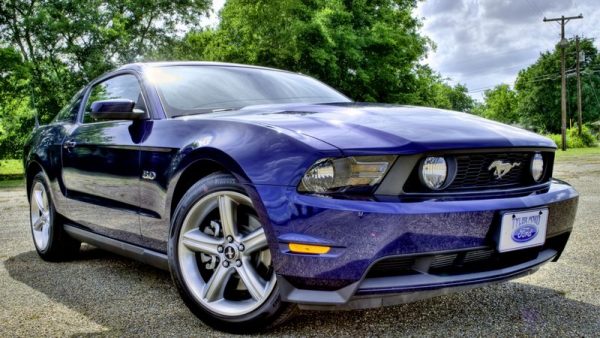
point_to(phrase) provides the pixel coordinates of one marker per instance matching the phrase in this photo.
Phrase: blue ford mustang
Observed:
(264, 191)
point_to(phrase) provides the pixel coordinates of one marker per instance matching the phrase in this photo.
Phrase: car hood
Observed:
(380, 127)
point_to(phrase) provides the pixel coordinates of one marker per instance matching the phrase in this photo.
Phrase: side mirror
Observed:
(116, 109)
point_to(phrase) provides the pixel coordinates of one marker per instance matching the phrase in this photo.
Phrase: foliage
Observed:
(574, 140)
(434, 91)
(369, 50)
(500, 104)
(366, 49)
(49, 49)
(16, 115)
(538, 88)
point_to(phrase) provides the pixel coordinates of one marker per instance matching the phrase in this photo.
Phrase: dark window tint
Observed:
(118, 87)
(203, 89)
(70, 111)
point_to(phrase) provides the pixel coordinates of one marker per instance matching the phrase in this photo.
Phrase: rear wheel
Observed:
(50, 240)
(220, 259)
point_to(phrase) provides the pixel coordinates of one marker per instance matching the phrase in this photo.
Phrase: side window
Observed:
(118, 87)
(70, 111)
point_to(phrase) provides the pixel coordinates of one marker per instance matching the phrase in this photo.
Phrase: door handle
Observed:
(69, 144)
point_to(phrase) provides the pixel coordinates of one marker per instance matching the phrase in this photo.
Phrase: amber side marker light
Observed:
(308, 249)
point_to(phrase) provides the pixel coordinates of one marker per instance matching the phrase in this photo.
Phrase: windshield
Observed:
(186, 90)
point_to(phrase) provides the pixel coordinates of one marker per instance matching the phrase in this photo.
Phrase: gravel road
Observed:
(103, 294)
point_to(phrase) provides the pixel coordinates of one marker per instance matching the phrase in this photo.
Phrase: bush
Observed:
(585, 140)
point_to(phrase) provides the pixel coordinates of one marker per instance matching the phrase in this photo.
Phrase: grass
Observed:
(10, 170)
(11, 174)
(577, 152)
(11, 167)
(12, 184)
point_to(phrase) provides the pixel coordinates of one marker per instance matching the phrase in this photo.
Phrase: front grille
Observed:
(473, 172)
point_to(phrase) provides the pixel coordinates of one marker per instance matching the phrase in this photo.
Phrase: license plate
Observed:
(522, 229)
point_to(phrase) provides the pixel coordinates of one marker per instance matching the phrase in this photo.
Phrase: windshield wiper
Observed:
(207, 111)
(224, 109)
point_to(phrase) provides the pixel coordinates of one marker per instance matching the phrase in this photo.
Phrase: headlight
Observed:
(537, 167)
(433, 173)
(331, 175)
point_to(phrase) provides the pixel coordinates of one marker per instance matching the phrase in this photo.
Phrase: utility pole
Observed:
(563, 101)
(579, 119)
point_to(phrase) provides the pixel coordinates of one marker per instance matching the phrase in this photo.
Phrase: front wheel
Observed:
(220, 259)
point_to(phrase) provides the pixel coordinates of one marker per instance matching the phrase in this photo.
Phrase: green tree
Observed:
(539, 88)
(61, 45)
(367, 49)
(16, 115)
(432, 90)
(500, 104)
(66, 43)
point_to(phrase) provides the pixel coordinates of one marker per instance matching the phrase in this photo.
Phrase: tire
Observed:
(51, 242)
(220, 260)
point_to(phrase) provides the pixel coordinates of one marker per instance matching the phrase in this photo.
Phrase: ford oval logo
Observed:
(524, 233)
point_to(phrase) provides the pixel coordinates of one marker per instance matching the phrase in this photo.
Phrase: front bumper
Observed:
(420, 232)
(385, 291)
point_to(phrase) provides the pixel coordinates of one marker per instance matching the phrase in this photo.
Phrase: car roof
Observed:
(140, 66)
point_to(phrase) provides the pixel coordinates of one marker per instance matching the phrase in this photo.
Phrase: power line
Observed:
(541, 78)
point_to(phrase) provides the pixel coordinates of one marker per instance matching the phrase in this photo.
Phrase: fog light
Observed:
(537, 167)
(434, 171)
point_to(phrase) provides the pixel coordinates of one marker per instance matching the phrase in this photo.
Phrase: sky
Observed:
(483, 43)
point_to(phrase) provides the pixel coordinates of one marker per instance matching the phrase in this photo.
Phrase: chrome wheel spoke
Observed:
(254, 241)
(46, 237)
(253, 282)
(227, 212)
(39, 200)
(38, 224)
(215, 287)
(198, 241)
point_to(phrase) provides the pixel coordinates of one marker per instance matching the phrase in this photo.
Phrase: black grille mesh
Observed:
(473, 171)
(477, 260)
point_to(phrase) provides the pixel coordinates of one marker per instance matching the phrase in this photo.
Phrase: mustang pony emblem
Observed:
(502, 168)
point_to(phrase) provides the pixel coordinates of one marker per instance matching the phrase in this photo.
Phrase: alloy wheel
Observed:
(224, 256)
(40, 216)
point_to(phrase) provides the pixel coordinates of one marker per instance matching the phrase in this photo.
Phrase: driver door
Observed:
(101, 165)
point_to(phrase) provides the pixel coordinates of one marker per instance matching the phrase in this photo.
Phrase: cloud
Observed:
(486, 42)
